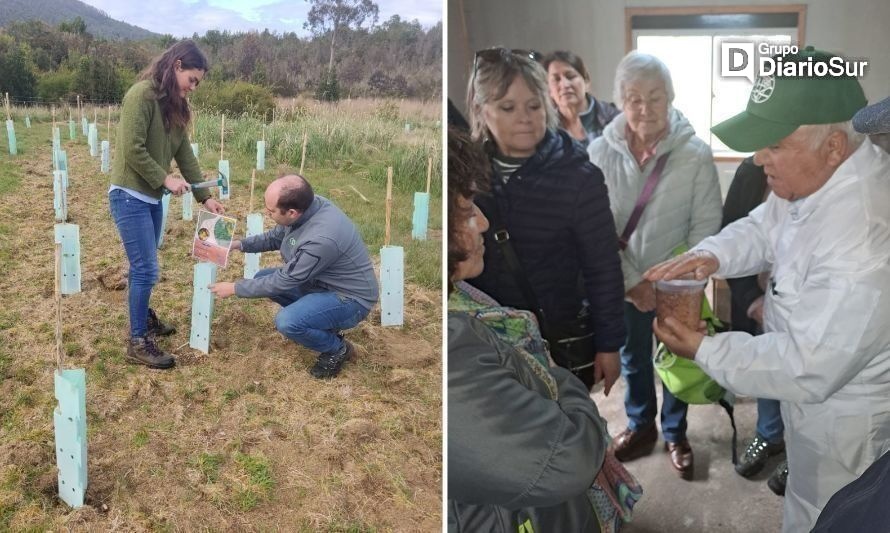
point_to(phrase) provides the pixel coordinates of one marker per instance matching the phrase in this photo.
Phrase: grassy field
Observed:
(242, 439)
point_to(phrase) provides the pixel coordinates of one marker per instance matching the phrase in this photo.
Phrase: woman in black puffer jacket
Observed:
(554, 206)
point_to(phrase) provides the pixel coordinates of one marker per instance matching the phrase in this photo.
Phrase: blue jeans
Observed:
(139, 225)
(640, 401)
(769, 421)
(314, 319)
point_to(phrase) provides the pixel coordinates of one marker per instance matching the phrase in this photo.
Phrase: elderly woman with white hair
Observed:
(664, 195)
(551, 244)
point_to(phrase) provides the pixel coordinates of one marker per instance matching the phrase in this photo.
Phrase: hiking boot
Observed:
(144, 351)
(779, 479)
(328, 365)
(756, 455)
(158, 328)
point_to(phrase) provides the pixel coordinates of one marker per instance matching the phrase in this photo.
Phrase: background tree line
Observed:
(397, 58)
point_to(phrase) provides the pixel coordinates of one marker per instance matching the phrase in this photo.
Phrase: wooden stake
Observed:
(96, 117)
(58, 298)
(194, 117)
(109, 129)
(360, 194)
(264, 130)
(222, 136)
(79, 109)
(388, 204)
(54, 119)
(303, 157)
(6, 101)
(429, 173)
(252, 180)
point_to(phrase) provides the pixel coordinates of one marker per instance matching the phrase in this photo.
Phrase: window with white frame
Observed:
(689, 44)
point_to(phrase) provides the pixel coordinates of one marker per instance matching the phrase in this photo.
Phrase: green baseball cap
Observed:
(780, 104)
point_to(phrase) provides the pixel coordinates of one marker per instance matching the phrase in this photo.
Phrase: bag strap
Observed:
(645, 195)
(727, 406)
(502, 238)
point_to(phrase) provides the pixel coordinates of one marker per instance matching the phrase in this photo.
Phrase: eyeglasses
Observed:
(499, 53)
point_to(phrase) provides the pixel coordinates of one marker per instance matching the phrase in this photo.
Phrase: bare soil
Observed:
(241, 439)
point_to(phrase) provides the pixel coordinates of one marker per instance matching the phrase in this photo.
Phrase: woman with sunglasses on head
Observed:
(551, 247)
(651, 144)
(580, 114)
(153, 130)
(525, 441)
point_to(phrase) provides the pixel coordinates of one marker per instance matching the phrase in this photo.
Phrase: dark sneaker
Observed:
(328, 365)
(756, 455)
(778, 479)
(158, 328)
(144, 351)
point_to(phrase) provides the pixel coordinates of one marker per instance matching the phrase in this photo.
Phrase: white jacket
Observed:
(684, 208)
(826, 350)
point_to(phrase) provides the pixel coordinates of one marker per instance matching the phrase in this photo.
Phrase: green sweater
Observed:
(144, 150)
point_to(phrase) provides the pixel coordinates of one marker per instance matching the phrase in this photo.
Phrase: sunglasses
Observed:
(493, 55)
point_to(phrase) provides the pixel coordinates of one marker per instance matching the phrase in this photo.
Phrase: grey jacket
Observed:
(322, 252)
(515, 453)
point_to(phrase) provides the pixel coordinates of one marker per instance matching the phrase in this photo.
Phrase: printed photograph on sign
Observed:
(213, 238)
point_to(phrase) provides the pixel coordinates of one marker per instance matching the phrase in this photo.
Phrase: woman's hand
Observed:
(607, 368)
(642, 295)
(755, 311)
(212, 205)
(175, 184)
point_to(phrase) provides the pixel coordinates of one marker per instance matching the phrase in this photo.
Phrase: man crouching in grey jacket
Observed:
(326, 284)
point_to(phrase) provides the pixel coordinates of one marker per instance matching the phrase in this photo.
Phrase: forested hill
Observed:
(43, 62)
(54, 12)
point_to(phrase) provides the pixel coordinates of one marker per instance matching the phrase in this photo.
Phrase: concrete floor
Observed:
(717, 499)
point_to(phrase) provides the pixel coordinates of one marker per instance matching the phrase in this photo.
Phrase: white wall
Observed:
(594, 29)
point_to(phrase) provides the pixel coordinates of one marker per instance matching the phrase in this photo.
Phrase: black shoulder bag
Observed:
(571, 344)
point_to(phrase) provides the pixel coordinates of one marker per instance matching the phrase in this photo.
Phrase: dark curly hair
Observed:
(468, 174)
(162, 73)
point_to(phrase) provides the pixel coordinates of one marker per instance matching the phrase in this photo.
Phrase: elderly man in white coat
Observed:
(824, 233)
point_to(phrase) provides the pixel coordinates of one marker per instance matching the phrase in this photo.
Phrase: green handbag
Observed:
(688, 382)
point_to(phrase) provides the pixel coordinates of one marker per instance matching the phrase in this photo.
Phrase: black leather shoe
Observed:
(329, 365)
(681, 458)
(778, 479)
(756, 454)
(144, 351)
(630, 444)
(158, 328)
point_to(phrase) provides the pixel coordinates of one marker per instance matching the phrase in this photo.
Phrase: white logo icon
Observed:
(763, 89)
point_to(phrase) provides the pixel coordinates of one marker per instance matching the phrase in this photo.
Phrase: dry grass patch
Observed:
(242, 439)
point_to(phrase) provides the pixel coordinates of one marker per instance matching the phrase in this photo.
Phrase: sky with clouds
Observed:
(182, 18)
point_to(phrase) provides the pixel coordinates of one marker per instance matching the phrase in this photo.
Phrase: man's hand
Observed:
(212, 205)
(222, 289)
(607, 368)
(642, 295)
(236, 244)
(679, 339)
(701, 263)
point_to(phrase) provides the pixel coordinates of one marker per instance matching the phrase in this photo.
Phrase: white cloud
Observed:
(182, 18)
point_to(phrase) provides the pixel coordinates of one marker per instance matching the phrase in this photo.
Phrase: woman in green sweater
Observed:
(153, 130)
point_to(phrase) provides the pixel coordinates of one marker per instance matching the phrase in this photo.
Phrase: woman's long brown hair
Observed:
(162, 72)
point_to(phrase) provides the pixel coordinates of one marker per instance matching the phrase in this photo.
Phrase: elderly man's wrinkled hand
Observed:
(679, 339)
(699, 263)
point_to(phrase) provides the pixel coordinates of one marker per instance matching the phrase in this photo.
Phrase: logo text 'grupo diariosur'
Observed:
(752, 60)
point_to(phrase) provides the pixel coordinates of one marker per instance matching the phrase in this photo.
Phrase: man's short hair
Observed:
(298, 197)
